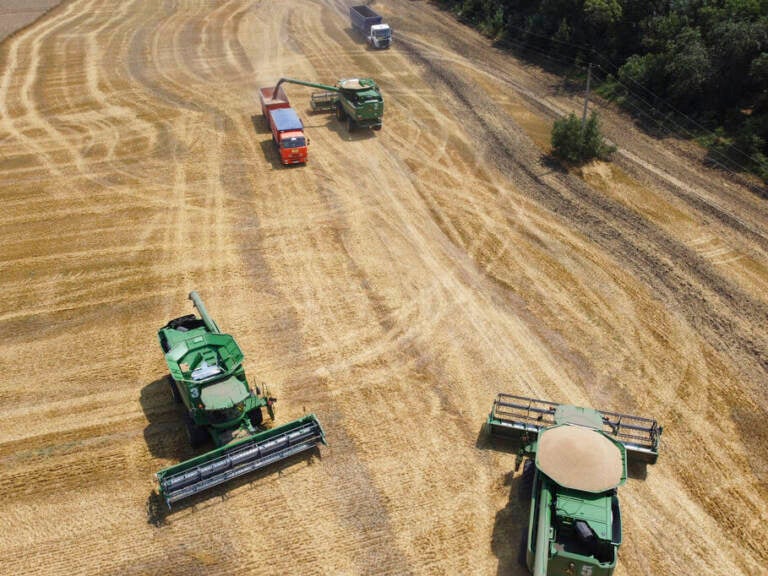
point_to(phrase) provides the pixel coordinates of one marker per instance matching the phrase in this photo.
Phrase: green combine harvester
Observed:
(208, 377)
(575, 459)
(357, 101)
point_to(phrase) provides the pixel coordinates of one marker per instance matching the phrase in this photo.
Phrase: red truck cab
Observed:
(286, 126)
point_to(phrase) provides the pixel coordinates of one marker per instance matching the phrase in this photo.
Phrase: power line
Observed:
(548, 55)
(659, 101)
(716, 157)
(680, 128)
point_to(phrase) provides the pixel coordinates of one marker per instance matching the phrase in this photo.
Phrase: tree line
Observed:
(698, 68)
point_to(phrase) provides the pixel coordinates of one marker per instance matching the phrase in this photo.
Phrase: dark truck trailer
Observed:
(285, 124)
(371, 25)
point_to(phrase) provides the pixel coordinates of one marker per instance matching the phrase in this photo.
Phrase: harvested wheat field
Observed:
(392, 286)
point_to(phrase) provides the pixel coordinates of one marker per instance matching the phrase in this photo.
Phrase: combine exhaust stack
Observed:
(521, 418)
(231, 461)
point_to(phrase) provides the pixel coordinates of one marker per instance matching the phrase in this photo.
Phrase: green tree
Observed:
(576, 144)
(688, 67)
(602, 13)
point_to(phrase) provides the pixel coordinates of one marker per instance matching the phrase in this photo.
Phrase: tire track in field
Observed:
(418, 353)
(359, 506)
(456, 161)
(108, 124)
(625, 235)
(23, 112)
(435, 135)
(88, 30)
(33, 81)
(352, 514)
(393, 285)
(690, 192)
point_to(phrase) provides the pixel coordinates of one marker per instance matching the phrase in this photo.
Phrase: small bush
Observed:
(572, 143)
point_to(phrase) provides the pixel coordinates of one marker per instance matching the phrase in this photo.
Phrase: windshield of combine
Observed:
(295, 142)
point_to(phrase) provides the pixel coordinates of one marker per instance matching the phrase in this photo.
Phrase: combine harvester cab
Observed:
(576, 458)
(208, 377)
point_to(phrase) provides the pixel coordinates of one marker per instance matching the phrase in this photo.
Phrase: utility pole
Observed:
(586, 97)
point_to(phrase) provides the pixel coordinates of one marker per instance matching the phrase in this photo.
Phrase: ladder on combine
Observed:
(521, 418)
(239, 458)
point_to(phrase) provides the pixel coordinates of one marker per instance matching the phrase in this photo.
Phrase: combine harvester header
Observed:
(521, 418)
(208, 378)
(239, 458)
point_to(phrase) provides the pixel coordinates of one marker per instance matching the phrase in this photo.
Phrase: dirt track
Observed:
(392, 286)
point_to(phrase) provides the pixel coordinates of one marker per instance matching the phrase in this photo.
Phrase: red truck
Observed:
(287, 128)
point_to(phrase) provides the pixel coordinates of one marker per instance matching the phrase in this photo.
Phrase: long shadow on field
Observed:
(508, 528)
(260, 124)
(512, 520)
(164, 434)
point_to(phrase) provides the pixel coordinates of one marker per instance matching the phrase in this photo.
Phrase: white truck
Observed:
(371, 25)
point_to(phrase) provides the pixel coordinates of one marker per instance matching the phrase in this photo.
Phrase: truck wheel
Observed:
(525, 489)
(350, 124)
(174, 390)
(196, 435)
